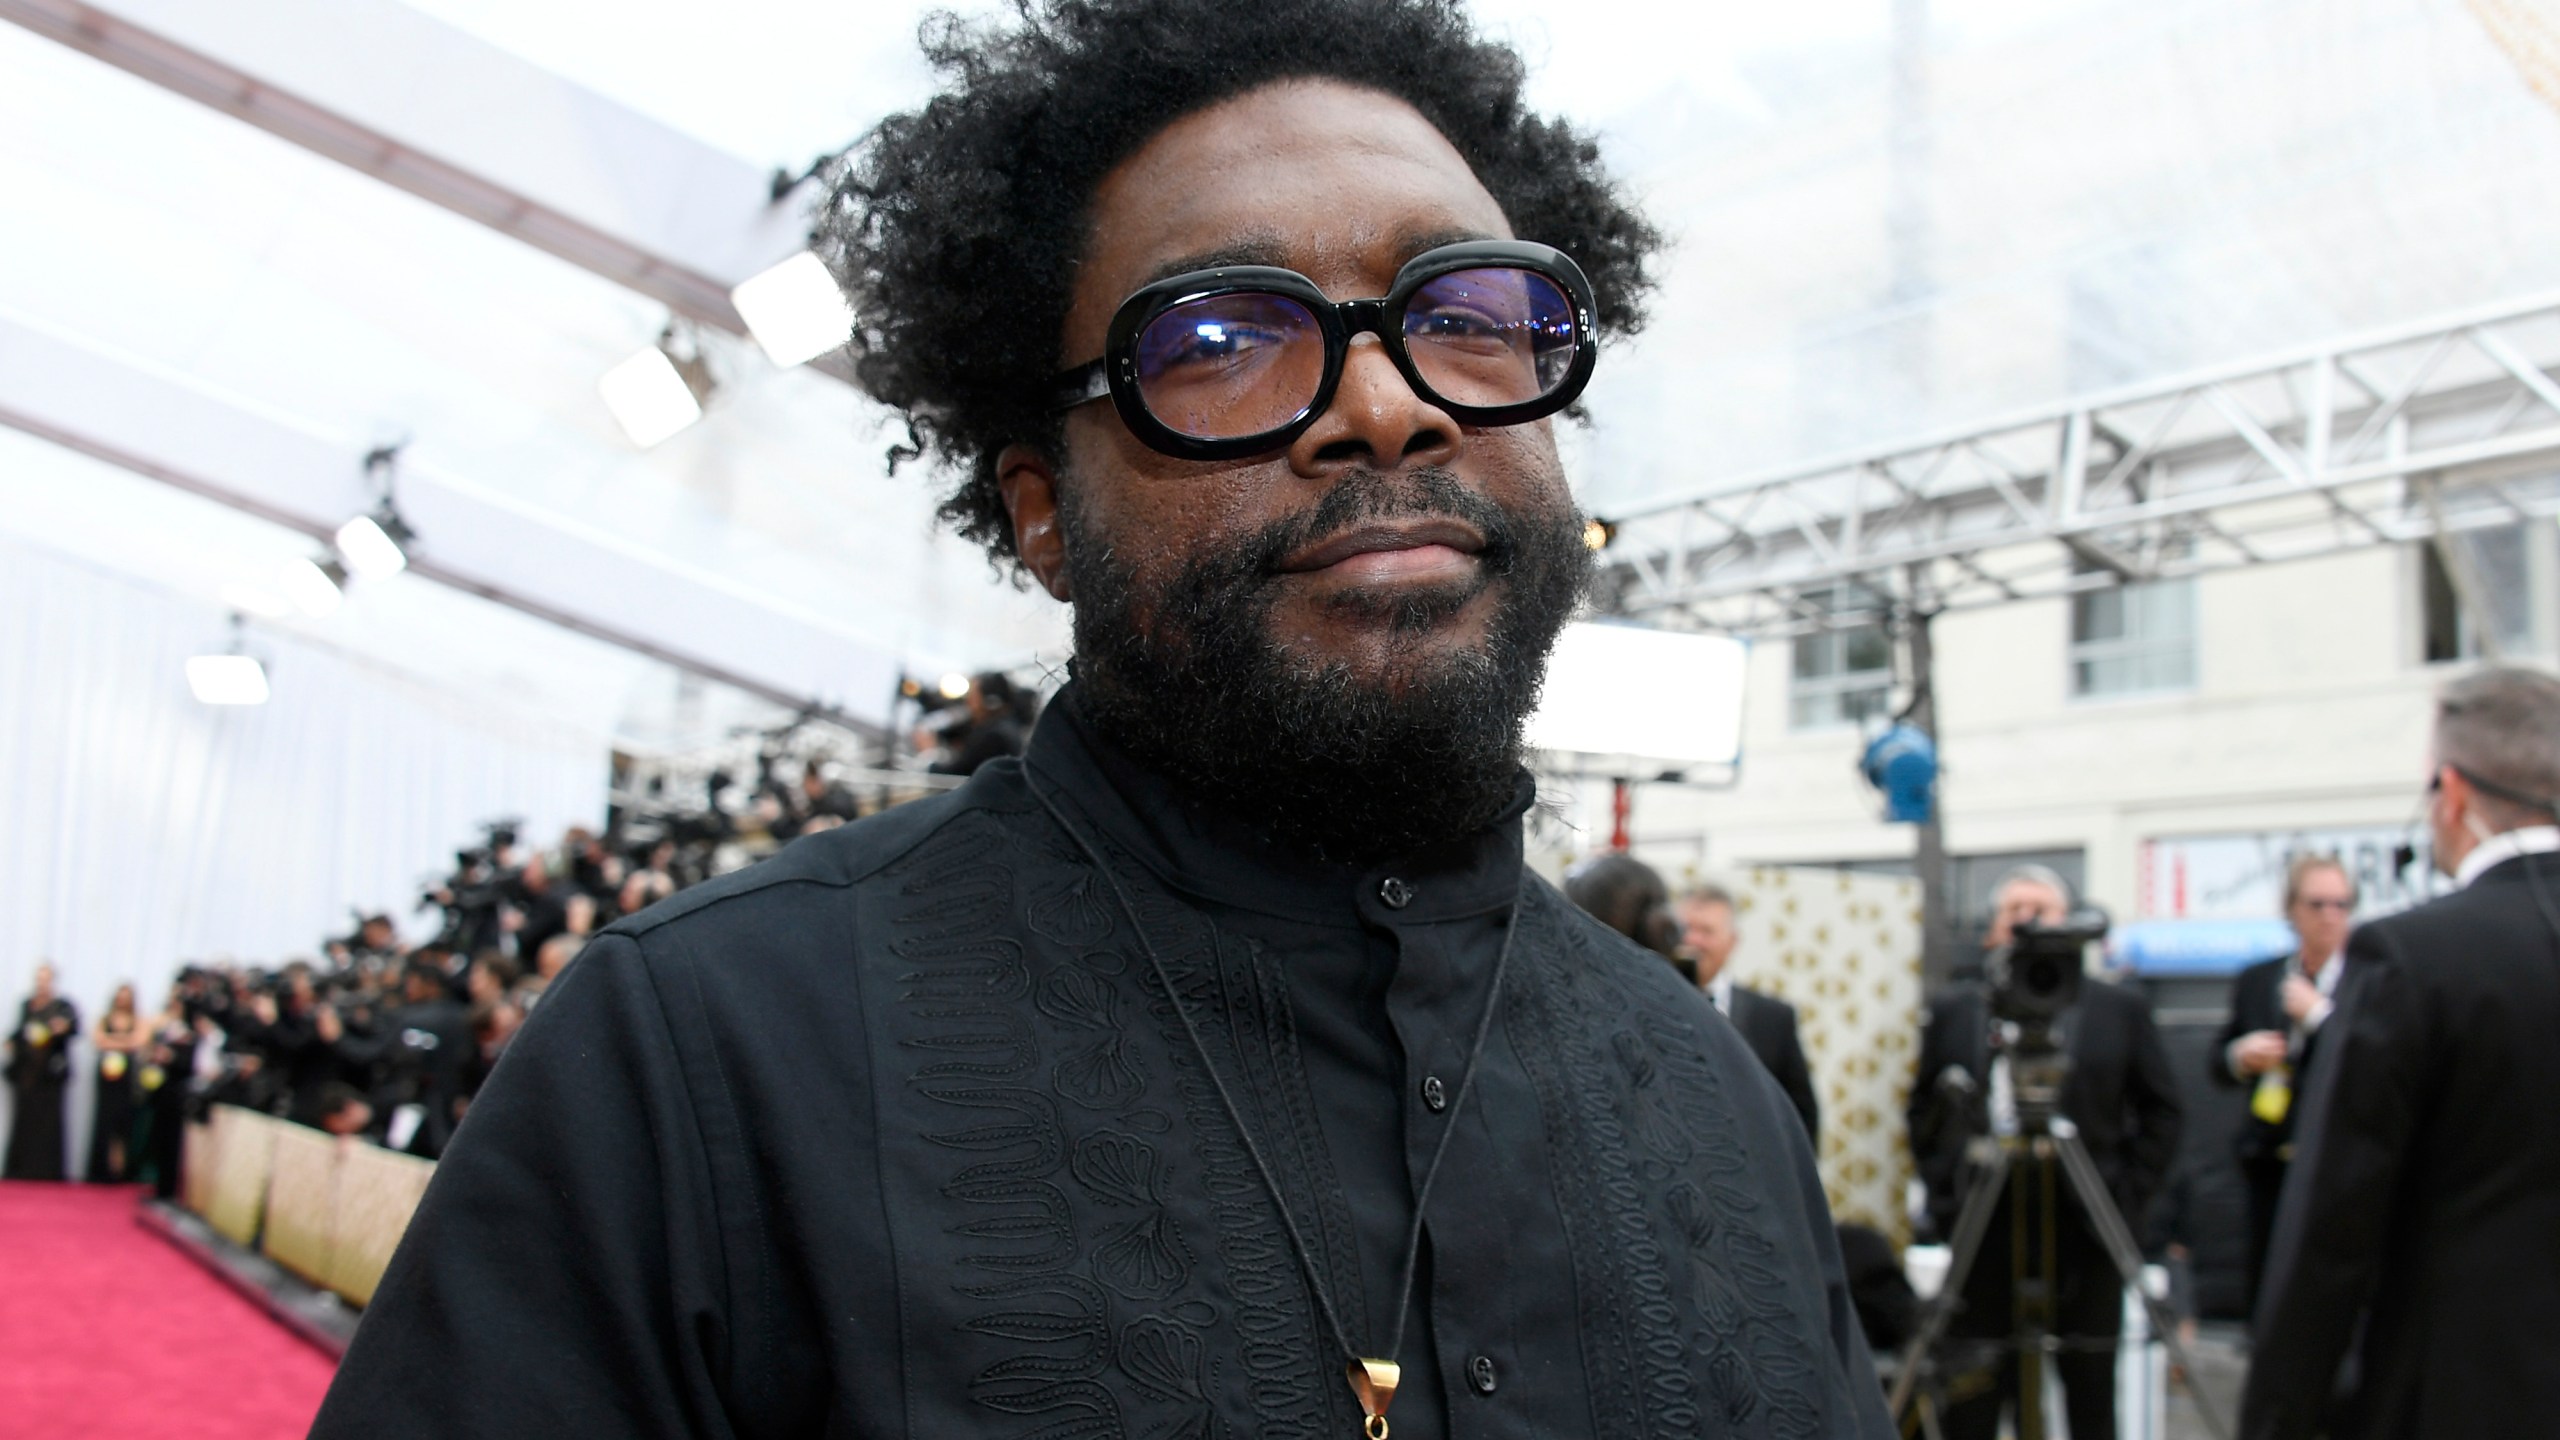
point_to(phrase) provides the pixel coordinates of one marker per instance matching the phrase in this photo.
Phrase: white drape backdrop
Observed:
(140, 829)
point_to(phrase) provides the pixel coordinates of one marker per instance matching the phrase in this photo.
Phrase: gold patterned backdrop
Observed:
(2529, 31)
(1844, 949)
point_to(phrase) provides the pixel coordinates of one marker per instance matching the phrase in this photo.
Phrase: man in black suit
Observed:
(2123, 1098)
(2278, 1007)
(2423, 1212)
(1767, 1023)
(423, 1048)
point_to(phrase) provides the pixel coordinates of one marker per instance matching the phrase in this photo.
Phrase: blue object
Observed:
(2169, 948)
(1903, 763)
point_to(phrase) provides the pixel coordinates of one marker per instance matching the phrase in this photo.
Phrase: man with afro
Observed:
(1217, 1069)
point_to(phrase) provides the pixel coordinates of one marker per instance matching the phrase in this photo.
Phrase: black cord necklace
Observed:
(1373, 1380)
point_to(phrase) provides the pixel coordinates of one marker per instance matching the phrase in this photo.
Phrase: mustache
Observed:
(1365, 497)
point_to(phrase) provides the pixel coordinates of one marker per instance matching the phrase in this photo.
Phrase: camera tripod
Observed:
(2024, 1166)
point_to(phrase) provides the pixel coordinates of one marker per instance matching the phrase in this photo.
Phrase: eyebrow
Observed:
(1267, 249)
(1251, 250)
(1414, 242)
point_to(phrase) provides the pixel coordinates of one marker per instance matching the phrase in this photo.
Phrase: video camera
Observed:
(2038, 974)
(2034, 979)
(471, 895)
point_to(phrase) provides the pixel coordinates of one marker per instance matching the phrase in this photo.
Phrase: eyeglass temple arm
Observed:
(2507, 793)
(1089, 381)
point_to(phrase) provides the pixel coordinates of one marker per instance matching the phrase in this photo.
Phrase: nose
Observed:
(1377, 420)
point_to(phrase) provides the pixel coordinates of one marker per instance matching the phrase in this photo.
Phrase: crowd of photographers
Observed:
(374, 1038)
(385, 1041)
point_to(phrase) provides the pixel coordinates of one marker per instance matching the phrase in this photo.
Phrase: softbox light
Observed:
(1623, 700)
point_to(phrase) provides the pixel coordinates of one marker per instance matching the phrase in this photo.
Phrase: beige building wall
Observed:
(2309, 711)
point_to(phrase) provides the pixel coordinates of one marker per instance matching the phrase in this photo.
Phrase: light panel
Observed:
(1642, 700)
(649, 400)
(310, 587)
(369, 551)
(227, 679)
(795, 310)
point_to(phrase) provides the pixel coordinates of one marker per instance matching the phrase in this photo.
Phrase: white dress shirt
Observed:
(2326, 982)
(2507, 845)
(1720, 993)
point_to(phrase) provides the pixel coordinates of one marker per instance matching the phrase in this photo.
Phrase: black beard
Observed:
(1187, 679)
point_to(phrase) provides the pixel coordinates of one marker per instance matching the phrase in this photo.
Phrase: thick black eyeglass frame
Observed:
(1116, 373)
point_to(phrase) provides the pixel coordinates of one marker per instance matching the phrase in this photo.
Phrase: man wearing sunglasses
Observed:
(2419, 1234)
(1216, 1069)
(2272, 1038)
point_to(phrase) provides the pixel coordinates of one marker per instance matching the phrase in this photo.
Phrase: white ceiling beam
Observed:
(472, 537)
(420, 105)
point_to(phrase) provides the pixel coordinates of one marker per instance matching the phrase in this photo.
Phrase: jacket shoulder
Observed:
(2109, 991)
(2450, 928)
(1651, 976)
(834, 859)
(2257, 971)
(1762, 999)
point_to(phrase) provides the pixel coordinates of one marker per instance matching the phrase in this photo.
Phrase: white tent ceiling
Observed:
(1890, 216)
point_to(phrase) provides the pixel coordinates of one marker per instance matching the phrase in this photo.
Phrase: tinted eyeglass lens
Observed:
(1227, 366)
(1491, 337)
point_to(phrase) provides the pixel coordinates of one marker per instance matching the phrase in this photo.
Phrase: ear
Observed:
(2455, 790)
(1029, 484)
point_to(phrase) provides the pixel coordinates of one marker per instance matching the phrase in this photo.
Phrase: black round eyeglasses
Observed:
(1240, 360)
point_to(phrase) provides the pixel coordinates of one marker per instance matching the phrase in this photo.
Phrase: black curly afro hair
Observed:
(955, 229)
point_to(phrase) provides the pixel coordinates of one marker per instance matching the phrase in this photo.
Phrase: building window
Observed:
(1842, 675)
(2503, 563)
(2134, 639)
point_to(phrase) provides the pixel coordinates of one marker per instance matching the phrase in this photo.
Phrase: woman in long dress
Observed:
(39, 1068)
(117, 1037)
(160, 1076)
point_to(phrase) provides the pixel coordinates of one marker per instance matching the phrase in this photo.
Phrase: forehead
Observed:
(2029, 892)
(1329, 180)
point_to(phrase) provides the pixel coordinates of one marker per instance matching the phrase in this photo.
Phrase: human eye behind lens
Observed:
(1221, 335)
(1474, 310)
(1462, 325)
(1229, 342)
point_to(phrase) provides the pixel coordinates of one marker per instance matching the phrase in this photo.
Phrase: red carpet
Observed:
(108, 1330)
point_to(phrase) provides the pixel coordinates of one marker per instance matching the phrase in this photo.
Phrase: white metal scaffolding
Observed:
(2385, 438)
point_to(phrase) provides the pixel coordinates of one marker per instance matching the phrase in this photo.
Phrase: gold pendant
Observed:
(1374, 1383)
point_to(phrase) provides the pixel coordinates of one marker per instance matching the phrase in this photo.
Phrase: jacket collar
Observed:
(1214, 856)
(2504, 848)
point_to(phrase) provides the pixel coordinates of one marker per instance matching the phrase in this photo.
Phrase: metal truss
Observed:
(654, 211)
(2383, 439)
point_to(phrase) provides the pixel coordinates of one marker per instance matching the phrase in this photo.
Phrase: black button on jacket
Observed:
(896, 1134)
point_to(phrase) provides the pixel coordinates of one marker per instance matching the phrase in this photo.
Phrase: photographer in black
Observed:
(540, 905)
(998, 724)
(376, 945)
(422, 1054)
(410, 1034)
(473, 898)
(2123, 1098)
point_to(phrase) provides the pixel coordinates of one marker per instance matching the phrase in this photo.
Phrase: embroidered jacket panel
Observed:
(901, 1134)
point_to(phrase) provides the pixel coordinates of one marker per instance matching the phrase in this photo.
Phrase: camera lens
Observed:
(2041, 976)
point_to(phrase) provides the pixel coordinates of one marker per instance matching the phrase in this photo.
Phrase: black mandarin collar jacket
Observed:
(897, 1134)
